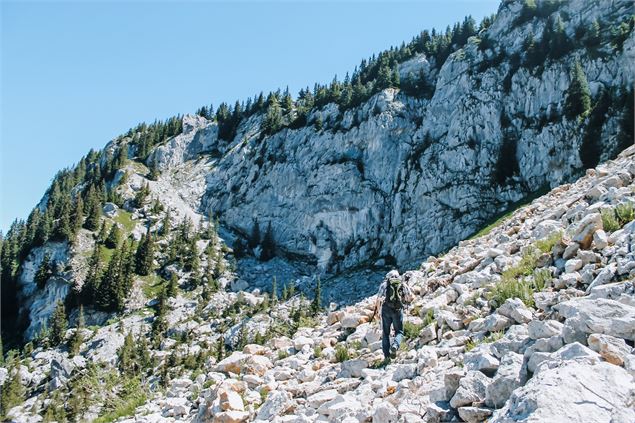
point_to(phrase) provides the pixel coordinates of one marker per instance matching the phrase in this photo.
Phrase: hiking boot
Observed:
(393, 351)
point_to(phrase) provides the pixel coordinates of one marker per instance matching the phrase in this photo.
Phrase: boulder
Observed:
(231, 417)
(603, 316)
(276, 404)
(575, 392)
(474, 414)
(515, 309)
(612, 349)
(385, 412)
(472, 388)
(317, 399)
(352, 368)
(510, 375)
(585, 228)
(538, 329)
(230, 400)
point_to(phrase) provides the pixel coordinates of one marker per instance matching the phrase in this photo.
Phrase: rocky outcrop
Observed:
(399, 178)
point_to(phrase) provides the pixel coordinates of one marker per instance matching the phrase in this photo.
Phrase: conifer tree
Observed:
(172, 285)
(12, 392)
(114, 237)
(274, 291)
(58, 324)
(78, 214)
(144, 360)
(578, 100)
(93, 277)
(145, 255)
(159, 324)
(44, 271)
(192, 261)
(273, 119)
(316, 304)
(93, 212)
(77, 338)
(166, 226)
(126, 355)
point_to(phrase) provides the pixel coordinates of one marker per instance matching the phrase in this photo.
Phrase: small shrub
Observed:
(428, 318)
(542, 278)
(317, 351)
(282, 354)
(411, 330)
(609, 220)
(545, 245)
(341, 353)
(470, 345)
(625, 213)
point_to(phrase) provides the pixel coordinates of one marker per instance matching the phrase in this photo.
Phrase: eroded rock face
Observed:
(398, 177)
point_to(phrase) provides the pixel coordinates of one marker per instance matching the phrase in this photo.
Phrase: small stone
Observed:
(474, 414)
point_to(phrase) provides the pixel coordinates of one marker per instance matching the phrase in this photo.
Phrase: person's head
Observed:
(393, 274)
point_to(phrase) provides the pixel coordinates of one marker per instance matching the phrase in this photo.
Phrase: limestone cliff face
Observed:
(399, 177)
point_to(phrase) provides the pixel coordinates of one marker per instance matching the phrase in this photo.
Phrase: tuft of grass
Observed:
(411, 330)
(282, 354)
(428, 319)
(152, 285)
(516, 282)
(131, 396)
(341, 353)
(492, 337)
(625, 213)
(545, 245)
(317, 351)
(609, 220)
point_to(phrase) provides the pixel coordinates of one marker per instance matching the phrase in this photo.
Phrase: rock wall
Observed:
(399, 178)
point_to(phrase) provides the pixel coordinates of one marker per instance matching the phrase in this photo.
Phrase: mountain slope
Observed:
(182, 241)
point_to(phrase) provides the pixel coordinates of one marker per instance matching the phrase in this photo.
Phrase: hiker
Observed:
(393, 295)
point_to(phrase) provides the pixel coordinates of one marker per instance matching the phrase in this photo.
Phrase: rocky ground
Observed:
(532, 321)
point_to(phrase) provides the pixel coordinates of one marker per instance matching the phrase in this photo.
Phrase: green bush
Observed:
(625, 213)
(518, 281)
(411, 330)
(545, 245)
(609, 220)
(341, 353)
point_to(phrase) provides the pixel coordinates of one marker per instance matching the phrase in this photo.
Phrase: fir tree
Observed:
(77, 338)
(274, 291)
(192, 261)
(93, 277)
(273, 119)
(93, 204)
(78, 214)
(316, 304)
(127, 356)
(578, 100)
(114, 237)
(12, 392)
(159, 324)
(172, 285)
(58, 324)
(44, 272)
(166, 225)
(145, 255)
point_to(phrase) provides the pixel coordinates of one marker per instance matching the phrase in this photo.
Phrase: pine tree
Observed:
(268, 245)
(144, 259)
(254, 239)
(78, 214)
(578, 101)
(192, 261)
(159, 324)
(12, 392)
(172, 285)
(220, 347)
(274, 291)
(44, 272)
(93, 204)
(127, 356)
(273, 119)
(77, 338)
(316, 304)
(144, 359)
(114, 237)
(93, 277)
(58, 324)
(166, 226)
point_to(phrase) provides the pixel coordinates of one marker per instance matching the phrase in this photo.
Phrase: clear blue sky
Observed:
(76, 74)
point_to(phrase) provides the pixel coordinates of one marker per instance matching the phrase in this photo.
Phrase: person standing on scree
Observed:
(393, 295)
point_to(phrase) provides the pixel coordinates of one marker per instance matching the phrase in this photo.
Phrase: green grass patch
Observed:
(131, 396)
(545, 245)
(124, 218)
(341, 353)
(411, 330)
(517, 281)
(151, 285)
(492, 337)
(615, 218)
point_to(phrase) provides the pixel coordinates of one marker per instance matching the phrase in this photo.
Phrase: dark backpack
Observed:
(394, 293)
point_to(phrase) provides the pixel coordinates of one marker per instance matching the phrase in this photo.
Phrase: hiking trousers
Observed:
(391, 317)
